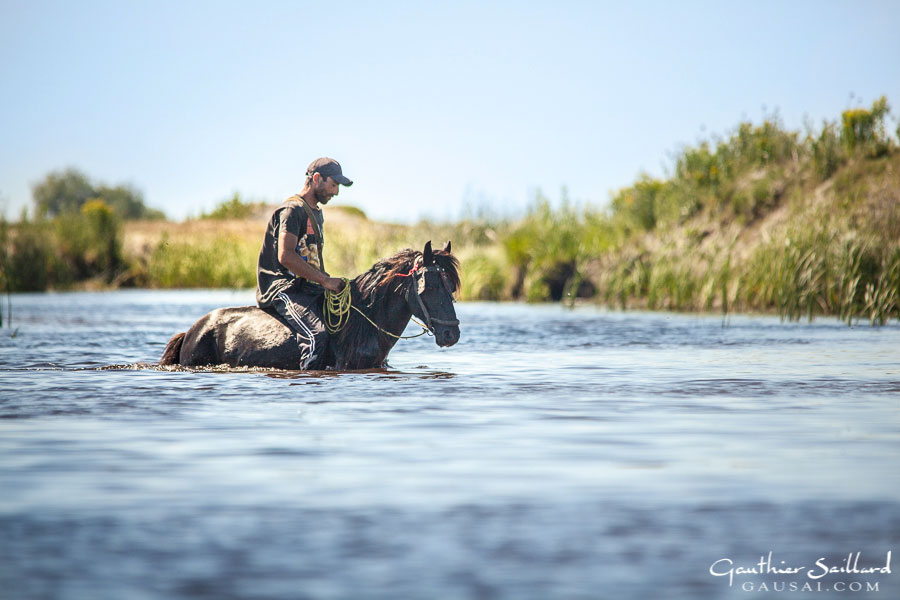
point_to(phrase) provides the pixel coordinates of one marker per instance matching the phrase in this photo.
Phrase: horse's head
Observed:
(431, 297)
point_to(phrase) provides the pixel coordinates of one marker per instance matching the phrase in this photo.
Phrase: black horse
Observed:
(408, 283)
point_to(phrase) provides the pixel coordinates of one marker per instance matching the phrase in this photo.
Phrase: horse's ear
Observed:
(447, 247)
(428, 255)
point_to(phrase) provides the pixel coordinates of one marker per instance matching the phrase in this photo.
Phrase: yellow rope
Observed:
(337, 308)
(337, 313)
(399, 337)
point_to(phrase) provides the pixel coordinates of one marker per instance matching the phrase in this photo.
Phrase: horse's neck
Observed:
(391, 313)
(363, 345)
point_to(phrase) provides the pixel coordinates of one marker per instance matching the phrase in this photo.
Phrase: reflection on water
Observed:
(549, 454)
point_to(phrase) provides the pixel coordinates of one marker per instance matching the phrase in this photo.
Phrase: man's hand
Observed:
(335, 284)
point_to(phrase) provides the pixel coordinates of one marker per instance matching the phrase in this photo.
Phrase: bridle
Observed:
(337, 305)
(418, 275)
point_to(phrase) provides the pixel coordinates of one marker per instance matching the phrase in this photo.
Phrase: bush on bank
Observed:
(763, 220)
(85, 246)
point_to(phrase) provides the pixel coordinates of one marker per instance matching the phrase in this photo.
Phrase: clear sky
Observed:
(433, 108)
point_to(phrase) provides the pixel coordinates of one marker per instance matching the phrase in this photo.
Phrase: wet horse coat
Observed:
(389, 294)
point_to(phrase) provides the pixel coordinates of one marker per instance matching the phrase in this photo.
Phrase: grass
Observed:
(763, 220)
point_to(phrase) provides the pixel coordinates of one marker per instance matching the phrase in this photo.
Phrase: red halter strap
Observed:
(429, 320)
(415, 270)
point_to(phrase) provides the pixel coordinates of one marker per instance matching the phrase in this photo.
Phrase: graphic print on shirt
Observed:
(308, 247)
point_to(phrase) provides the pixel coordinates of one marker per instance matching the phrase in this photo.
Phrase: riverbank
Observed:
(821, 247)
(763, 220)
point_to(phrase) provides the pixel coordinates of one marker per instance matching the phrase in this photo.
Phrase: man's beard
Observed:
(322, 197)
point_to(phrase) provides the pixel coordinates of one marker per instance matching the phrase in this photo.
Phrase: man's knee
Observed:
(304, 317)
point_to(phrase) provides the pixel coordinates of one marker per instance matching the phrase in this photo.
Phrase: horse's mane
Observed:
(389, 274)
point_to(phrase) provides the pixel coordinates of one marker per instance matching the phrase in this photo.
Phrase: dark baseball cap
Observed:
(328, 167)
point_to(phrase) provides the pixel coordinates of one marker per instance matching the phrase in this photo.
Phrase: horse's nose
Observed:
(450, 336)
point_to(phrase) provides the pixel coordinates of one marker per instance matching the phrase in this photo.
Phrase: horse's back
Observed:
(240, 336)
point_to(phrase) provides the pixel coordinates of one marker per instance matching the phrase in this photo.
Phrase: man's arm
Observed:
(287, 256)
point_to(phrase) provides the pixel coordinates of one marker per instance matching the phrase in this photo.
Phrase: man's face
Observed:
(325, 189)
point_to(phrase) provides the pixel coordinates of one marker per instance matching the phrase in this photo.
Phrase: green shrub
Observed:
(546, 249)
(483, 279)
(64, 192)
(60, 252)
(639, 205)
(88, 243)
(226, 262)
(827, 152)
(815, 272)
(28, 262)
(763, 145)
(233, 208)
(864, 130)
(757, 200)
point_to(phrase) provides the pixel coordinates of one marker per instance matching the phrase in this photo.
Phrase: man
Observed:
(290, 273)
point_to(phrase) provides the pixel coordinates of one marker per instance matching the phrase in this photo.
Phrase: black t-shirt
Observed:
(273, 277)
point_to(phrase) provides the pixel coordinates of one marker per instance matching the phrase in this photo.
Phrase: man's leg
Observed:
(304, 316)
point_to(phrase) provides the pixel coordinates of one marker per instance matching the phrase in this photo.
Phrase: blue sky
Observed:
(432, 108)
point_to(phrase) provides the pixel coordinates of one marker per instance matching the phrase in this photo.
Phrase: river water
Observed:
(552, 453)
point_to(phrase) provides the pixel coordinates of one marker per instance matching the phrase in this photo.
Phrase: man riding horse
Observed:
(290, 274)
(287, 330)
